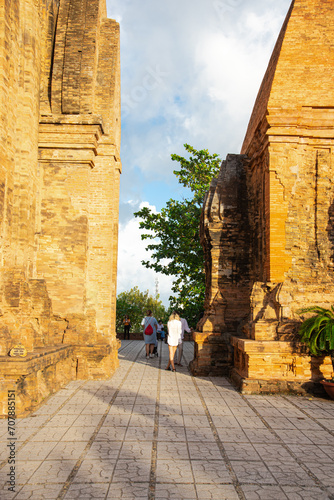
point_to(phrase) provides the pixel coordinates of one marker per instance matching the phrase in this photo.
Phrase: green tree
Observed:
(135, 303)
(176, 248)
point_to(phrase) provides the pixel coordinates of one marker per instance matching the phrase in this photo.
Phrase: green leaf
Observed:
(317, 332)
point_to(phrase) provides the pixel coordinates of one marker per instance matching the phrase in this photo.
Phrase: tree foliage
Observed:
(135, 303)
(174, 232)
(317, 332)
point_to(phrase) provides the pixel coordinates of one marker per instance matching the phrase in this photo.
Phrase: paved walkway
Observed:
(149, 433)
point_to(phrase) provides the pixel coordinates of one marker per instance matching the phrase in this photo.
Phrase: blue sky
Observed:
(190, 71)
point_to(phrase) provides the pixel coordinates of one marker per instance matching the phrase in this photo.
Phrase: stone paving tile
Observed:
(117, 420)
(279, 402)
(319, 437)
(217, 410)
(291, 413)
(309, 453)
(293, 436)
(232, 435)
(35, 451)
(39, 491)
(329, 450)
(104, 450)
(224, 411)
(261, 436)
(216, 401)
(299, 493)
(289, 473)
(271, 412)
(141, 420)
(62, 420)
(250, 423)
(23, 433)
(128, 491)
(252, 472)
(196, 434)
(323, 471)
(225, 421)
(124, 400)
(145, 400)
(87, 421)
(171, 434)
(258, 401)
(327, 422)
(87, 491)
(235, 401)
(72, 409)
(243, 412)
(195, 421)
(70, 450)
(111, 434)
(210, 471)
(144, 409)
(272, 451)
(56, 471)
(204, 451)
(50, 433)
(216, 492)
(132, 470)
(140, 450)
(185, 397)
(305, 424)
(172, 450)
(80, 399)
(280, 423)
(319, 413)
(286, 459)
(95, 409)
(23, 471)
(95, 471)
(174, 471)
(78, 434)
(139, 433)
(47, 409)
(174, 420)
(257, 492)
(241, 451)
(121, 410)
(175, 491)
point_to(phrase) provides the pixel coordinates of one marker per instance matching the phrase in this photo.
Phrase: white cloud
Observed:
(132, 250)
(191, 70)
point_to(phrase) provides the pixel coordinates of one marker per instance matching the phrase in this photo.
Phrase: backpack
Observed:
(148, 330)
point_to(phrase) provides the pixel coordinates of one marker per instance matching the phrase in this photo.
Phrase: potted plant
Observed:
(317, 333)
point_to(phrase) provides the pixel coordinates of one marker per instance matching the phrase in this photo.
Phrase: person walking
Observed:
(162, 334)
(160, 328)
(127, 325)
(174, 328)
(150, 326)
(185, 328)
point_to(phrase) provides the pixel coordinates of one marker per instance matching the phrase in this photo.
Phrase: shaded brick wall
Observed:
(59, 186)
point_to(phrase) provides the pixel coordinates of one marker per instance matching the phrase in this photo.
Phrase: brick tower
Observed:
(268, 223)
(60, 168)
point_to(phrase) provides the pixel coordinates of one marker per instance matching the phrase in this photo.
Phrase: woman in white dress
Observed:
(174, 328)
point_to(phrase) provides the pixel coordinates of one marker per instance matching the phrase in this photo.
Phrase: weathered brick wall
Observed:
(288, 174)
(59, 183)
